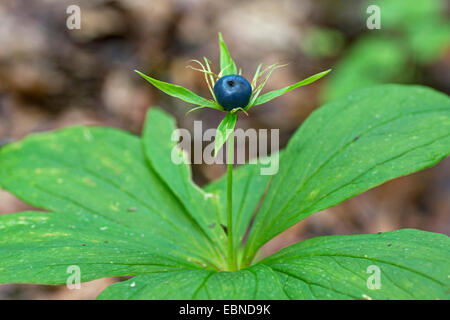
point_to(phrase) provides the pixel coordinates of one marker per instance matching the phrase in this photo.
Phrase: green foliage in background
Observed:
(320, 42)
(413, 34)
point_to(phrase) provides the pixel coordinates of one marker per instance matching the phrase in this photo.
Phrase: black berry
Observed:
(233, 91)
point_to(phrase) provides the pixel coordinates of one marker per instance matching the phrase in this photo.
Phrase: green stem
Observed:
(230, 160)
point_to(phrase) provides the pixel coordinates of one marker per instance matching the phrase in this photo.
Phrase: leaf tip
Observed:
(139, 73)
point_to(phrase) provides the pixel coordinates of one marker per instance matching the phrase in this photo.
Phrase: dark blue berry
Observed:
(233, 91)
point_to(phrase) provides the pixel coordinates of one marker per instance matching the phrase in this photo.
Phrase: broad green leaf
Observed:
(180, 92)
(224, 131)
(257, 282)
(276, 93)
(349, 146)
(169, 162)
(102, 172)
(248, 188)
(41, 247)
(413, 264)
(227, 65)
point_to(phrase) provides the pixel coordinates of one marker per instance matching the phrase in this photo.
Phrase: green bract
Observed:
(118, 206)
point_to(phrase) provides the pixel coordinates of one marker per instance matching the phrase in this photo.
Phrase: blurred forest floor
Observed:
(52, 77)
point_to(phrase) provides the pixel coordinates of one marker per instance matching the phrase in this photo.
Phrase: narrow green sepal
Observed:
(180, 92)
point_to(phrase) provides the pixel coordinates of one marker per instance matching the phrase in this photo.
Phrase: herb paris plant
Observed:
(116, 205)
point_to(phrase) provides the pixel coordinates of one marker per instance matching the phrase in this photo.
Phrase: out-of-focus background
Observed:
(52, 77)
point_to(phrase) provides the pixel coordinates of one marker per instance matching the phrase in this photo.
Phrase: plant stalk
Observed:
(230, 155)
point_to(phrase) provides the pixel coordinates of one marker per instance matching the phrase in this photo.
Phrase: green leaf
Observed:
(227, 65)
(349, 146)
(276, 93)
(104, 173)
(39, 247)
(257, 282)
(169, 162)
(413, 264)
(224, 130)
(180, 92)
